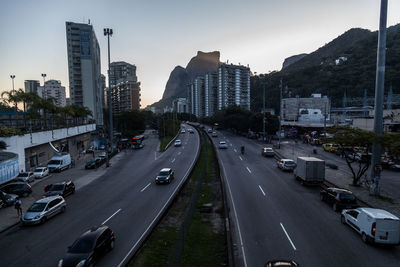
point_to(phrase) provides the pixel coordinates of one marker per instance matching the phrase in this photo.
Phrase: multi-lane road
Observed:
(125, 198)
(277, 218)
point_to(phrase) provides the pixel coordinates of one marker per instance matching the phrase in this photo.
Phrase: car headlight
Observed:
(81, 263)
(37, 216)
(156, 178)
(60, 263)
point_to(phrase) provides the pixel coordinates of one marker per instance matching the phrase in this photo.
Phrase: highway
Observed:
(275, 217)
(125, 198)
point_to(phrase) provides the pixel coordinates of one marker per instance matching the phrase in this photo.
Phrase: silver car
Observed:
(41, 172)
(44, 209)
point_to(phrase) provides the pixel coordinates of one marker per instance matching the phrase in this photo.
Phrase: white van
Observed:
(374, 225)
(59, 162)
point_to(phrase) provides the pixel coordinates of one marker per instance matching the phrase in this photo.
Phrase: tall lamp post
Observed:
(108, 32)
(12, 76)
(44, 88)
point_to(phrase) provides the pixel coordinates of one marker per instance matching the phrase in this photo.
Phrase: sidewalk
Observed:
(78, 174)
(341, 178)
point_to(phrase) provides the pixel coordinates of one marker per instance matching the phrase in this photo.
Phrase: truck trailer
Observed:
(310, 170)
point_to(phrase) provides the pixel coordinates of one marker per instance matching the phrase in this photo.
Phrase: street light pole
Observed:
(379, 90)
(12, 76)
(108, 32)
(264, 111)
(44, 87)
(280, 113)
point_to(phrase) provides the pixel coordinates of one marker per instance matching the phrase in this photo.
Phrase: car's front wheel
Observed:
(112, 244)
(343, 219)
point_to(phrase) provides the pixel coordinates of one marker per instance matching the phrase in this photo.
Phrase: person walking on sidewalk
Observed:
(18, 206)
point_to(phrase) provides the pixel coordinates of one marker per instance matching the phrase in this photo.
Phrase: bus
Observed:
(137, 141)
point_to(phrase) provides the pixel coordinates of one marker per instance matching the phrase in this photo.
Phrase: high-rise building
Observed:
(122, 70)
(180, 105)
(125, 96)
(53, 89)
(84, 68)
(31, 86)
(211, 93)
(233, 86)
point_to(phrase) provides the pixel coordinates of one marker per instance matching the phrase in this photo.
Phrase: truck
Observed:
(310, 170)
(59, 162)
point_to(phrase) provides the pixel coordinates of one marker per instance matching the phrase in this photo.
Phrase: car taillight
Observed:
(373, 229)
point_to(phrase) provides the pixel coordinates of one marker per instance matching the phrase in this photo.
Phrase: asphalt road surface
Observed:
(125, 198)
(277, 218)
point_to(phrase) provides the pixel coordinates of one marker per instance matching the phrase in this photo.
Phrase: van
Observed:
(59, 162)
(374, 225)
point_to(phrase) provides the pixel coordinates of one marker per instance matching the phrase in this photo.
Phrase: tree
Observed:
(11, 98)
(348, 140)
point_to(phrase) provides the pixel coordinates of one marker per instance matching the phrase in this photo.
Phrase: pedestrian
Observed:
(93, 153)
(18, 206)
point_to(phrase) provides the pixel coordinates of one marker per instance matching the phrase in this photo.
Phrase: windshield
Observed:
(38, 170)
(163, 174)
(54, 162)
(83, 245)
(347, 196)
(37, 207)
(56, 187)
(289, 163)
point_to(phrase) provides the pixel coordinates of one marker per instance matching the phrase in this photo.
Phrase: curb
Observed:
(8, 227)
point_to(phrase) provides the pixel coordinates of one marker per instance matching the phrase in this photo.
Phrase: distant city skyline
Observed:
(156, 36)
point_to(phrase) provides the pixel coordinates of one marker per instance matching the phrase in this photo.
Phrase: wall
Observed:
(8, 166)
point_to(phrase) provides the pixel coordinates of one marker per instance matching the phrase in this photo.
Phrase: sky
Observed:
(157, 35)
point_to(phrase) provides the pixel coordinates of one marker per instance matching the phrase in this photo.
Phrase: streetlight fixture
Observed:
(108, 32)
(44, 88)
(12, 76)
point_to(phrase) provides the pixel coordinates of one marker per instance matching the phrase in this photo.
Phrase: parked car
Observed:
(59, 189)
(183, 131)
(374, 225)
(209, 130)
(178, 142)
(165, 175)
(59, 162)
(103, 155)
(44, 209)
(330, 147)
(223, 145)
(27, 177)
(89, 247)
(214, 134)
(190, 130)
(363, 157)
(286, 164)
(90, 150)
(19, 188)
(102, 147)
(339, 198)
(7, 199)
(267, 152)
(94, 163)
(41, 172)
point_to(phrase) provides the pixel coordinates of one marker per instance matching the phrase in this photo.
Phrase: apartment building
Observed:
(31, 86)
(53, 89)
(84, 68)
(125, 96)
(122, 70)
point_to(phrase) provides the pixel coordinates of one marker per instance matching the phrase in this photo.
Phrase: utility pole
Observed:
(44, 86)
(280, 113)
(108, 32)
(264, 111)
(379, 91)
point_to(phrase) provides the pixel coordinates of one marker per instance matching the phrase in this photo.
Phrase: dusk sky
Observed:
(158, 35)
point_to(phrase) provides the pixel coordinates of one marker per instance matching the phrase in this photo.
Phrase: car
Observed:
(363, 157)
(26, 176)
(209, 130)
(190, 130)
(103, 155)
(223, 145)
(286, 164)
(2, 204)
(102, 147)
(7, 199)
(330, 147)
(43, 209)
(214, 134)
(183, 131)
(94, 163)
(178, 142)
(59, 189)
(166, 175)
(19, 188)
(41, 172)
(374, 225)
(89, 247)
(339, 198)
(267, 152)
(90, 150)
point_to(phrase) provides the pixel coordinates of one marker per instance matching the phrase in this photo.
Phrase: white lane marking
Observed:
(172, 161)
(161, 210)
(111, 216)
(240, 158)
(179, 153)
(144, 188)
(230, 144)
(235, 150)
(155, 155)
(262, 191)
(236, 217)
(248, 169)
(288, 237)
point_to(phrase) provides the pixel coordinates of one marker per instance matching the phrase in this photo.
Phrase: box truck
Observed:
(310, 170)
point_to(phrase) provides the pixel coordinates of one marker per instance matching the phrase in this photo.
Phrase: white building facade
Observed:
(53, 89)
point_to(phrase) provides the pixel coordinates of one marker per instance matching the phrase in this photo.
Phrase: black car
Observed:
(59, 189)
(339, 198)
(94, 163)
(7, 199)
(165, 175)
(89, 247)
(20, 189)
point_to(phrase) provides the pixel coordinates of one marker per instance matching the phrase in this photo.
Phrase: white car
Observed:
(374, 225)
(223, 145)
(27, 177)
(41, 172)
(183, 131)
(178, 142)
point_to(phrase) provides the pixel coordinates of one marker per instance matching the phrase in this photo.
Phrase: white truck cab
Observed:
(59, 162)
(374, 225)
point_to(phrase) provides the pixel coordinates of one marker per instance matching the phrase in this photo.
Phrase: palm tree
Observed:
(46, 105)
(11, 97)
(27, 98)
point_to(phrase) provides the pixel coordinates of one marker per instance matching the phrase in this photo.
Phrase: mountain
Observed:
(180, 77)
(346, 64)
(293, 59)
